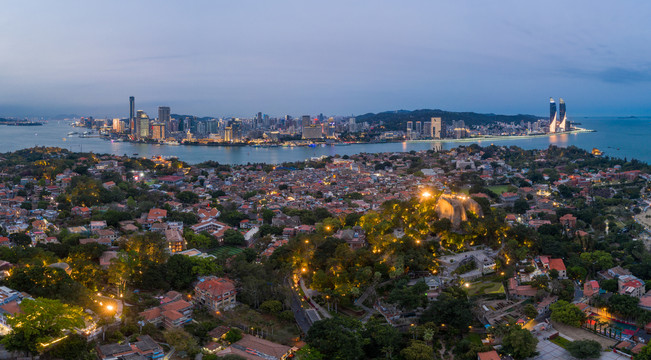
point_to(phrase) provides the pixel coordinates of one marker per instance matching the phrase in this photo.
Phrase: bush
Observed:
(584, 349)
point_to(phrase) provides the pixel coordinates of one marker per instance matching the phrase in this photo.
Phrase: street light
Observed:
(109, 307)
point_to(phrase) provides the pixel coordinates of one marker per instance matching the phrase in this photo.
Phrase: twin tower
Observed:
(556, 125)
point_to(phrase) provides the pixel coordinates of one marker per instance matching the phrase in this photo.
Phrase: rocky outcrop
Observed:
(454, 208)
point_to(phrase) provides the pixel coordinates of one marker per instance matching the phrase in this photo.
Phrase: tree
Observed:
(381, 339)
(530, 311)
(597, 260)
(337, 338)
(21, 239)
(233, 237)
(41, 321)
(644, 354)
(417, 350)
(187, 197)
(233, 335)
(584, 349)
(521, 206)
(451, 309)
(567, 313)
(308, 353)
(181, 340)
(519, 343)
(271, 307)
(73, 347)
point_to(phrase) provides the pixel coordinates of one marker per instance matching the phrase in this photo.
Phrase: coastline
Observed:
(312, 144)
(504, 137)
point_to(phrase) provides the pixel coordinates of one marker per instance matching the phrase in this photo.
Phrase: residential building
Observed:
(215, 293)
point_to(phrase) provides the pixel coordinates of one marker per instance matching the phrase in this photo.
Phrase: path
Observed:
(308, 292)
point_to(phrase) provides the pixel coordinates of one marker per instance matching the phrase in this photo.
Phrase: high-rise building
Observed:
(118, 126)
(427, 128)
(142, 125)
(552, 116)
(562, 116)
(437, 131)
(410, 126)
(419, 127)
(158, 131)
(312, 132)
(164, 116)
(132, 119)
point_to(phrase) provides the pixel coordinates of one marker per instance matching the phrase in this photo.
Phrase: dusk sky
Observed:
(235, 58)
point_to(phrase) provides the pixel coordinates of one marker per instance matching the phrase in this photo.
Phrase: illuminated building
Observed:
(552, 116)
(132, 119)
(158, 131)
(565, 125)
(312, 132)
(142, 125)
(164, 116)
(437, 131)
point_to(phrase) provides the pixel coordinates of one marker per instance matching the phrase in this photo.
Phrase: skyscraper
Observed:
(132, 120)
(552, 116)
(437, 130)
(142, 125)
(164, 116)
(562, 116)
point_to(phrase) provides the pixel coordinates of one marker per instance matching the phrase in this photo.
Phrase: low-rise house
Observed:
(173, 312)
(175, 241)
(631, 286)
(97, 225)
(591, 288)
(156, 215)
(81, 211)
(145, 347)
(254, 348)
(215, 293)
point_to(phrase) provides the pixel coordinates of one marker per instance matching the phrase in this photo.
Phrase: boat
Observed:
(173, 142)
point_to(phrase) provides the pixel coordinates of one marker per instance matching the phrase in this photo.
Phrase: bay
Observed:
(615, 136)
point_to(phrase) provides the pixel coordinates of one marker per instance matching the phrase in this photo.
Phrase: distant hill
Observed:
(397, 120)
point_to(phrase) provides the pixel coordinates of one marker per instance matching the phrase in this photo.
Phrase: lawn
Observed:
(226, 251)
(561, 341)
(475, 338)
(499, 189)
(485, 288)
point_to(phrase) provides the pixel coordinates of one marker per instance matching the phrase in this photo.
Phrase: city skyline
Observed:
(225, 59)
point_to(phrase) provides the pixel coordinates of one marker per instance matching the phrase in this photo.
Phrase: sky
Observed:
(235, 58)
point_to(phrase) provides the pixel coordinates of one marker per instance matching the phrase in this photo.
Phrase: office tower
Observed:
(312, 132)
(330, 131)
(164, 116)
(419, 127)
(437, 130)
(427, 128)
(142, 125)
(158, 131)
(257, 122)
(305, 122)
(410, 126)
(117, 126)
(132, 119)
(552, 116)
(562, 116)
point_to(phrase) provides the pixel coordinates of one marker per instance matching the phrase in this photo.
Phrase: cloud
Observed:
(613, 75)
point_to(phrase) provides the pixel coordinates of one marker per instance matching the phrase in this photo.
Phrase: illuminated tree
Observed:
(40, 324)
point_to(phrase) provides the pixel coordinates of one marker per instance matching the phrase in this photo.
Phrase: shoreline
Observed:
(505, 137)
(469, 139)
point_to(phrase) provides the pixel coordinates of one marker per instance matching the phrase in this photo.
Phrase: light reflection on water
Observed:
(615, 137)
